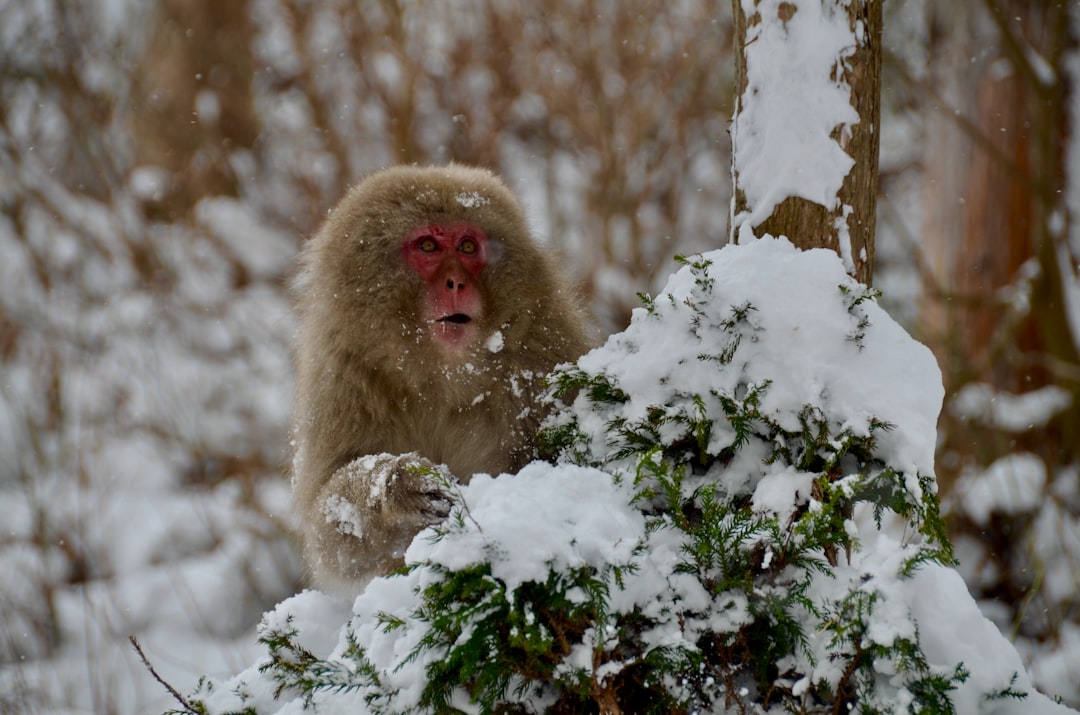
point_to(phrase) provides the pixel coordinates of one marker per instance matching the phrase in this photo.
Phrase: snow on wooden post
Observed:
(805, 131)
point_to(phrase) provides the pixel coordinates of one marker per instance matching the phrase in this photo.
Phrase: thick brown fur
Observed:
(370, 381)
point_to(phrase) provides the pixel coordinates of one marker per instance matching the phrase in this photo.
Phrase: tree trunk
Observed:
(996, 226)
(193, 106)
(846, 227)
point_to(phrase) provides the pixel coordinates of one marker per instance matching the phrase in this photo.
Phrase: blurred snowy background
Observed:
(161, 163)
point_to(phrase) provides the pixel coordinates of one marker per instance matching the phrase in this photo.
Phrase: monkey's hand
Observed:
(383, 501)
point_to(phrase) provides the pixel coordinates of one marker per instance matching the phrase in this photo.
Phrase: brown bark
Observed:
(809, 224)
(989, 216)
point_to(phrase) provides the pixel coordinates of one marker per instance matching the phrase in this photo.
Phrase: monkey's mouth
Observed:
(455, 331)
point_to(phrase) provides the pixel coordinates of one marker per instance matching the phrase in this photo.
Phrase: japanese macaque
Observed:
(428, 320)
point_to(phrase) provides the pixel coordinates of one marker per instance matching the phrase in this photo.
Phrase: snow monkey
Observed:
(427, 321)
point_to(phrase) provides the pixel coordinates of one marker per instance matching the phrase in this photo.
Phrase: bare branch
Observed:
(172, 691)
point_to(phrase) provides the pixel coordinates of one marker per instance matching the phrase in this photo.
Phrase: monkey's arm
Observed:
(366, 514)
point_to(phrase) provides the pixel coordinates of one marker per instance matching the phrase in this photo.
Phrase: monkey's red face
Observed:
(449, 259)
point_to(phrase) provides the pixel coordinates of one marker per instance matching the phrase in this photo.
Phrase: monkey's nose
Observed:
(454, 285)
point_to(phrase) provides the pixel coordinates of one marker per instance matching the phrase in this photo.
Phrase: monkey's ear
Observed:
(496, 250)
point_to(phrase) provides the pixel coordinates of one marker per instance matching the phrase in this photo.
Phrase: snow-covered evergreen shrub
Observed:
(741, 518)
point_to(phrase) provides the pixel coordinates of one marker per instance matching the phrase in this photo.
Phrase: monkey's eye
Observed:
(428, 244)
(468, 246)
